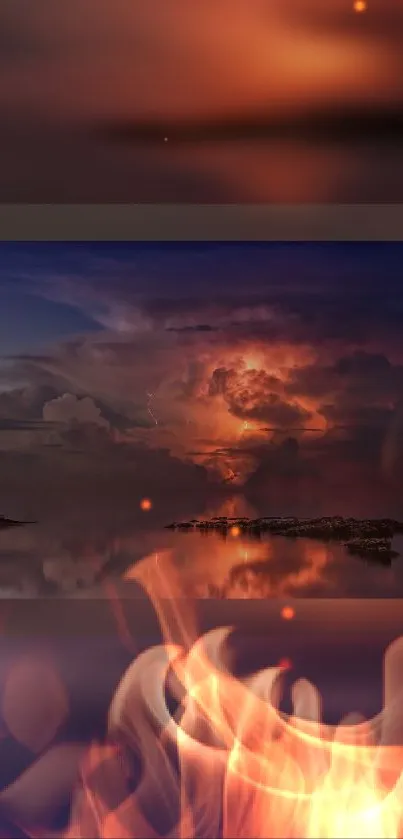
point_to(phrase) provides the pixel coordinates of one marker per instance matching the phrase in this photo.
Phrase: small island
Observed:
(5, 522)
(366, 538)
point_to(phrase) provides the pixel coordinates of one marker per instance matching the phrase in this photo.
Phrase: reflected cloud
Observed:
(48, 561)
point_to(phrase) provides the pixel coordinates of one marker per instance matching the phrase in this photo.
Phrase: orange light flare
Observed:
(254, 362)
(360, 6)
(285, 664)
(250, 429)
(146, 504)
(288, 613)
(235, 531)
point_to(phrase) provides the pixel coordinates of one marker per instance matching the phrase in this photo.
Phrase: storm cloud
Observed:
(265, 374)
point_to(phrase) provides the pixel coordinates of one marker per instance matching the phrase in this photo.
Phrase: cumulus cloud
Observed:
(70, 409)
(359, 380)
(215, 385)
(25, 403)
(197, 393)
(256, 395)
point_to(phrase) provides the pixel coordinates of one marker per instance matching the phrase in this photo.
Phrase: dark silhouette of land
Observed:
(342, 125)
(366, 538)
(4, 522)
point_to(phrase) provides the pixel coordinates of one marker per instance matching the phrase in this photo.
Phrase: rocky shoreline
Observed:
(366, 538)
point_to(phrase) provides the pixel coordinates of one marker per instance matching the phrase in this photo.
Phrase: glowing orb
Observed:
(360, 6)
(235, 531)
(287, 613)
(146, 504)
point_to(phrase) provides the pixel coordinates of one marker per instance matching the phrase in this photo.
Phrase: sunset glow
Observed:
(274, 111)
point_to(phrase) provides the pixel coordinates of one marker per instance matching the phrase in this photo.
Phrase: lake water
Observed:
(63, 557)
(66, 168)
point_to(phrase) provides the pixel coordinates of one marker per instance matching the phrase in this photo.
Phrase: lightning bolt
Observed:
(244, 428)
(150, 397)
(231, 477)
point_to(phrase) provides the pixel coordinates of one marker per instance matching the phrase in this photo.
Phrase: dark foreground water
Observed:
(61, 557)
(65, 167)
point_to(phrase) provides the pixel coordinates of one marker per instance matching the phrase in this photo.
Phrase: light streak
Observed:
(150, 397)
(244, 428)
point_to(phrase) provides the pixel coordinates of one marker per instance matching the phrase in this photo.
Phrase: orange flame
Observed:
(226, 761)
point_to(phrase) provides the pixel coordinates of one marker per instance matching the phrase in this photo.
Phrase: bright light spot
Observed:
(360, 6)
(285, 664)
(252, 362)
(235, 531)
(287, 613)
(146, 504)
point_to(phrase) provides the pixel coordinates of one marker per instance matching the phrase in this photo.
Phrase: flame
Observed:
(216, 756)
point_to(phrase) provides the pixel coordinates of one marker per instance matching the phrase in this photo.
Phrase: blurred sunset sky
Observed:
(71, 71)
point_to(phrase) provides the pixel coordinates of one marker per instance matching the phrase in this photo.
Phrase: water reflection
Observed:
(62, 558)
(233, 171)
(285, 171)
(255, 65)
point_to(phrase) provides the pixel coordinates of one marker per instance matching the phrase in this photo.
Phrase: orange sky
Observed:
(94, 57)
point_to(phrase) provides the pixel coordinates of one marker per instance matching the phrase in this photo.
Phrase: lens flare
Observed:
(285, 664)
(146, 504)
(360, 6)
(287, 613)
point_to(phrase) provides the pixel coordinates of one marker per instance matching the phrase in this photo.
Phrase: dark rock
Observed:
(4, 522)
(362, 537)
(372, 549)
